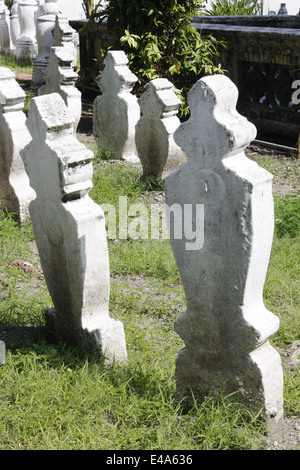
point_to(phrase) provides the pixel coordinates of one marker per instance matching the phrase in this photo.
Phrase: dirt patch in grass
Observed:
(284, 168)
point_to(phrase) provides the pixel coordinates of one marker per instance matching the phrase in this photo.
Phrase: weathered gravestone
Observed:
(14, 25)
(116, 111)
(226, 327)
(5, 42)
(154, 140)
(45, 24)
(61, 79)
(69, 230)
(65, 36)
(15, 191)
(26, 46)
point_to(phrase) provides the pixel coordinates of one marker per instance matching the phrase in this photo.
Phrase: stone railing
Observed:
(262, 57)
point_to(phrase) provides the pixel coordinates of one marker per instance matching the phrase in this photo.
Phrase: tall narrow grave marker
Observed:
(65, 36)
(14, 25)
(5, 42)
(45, 24)
(226, 327)
(15, 191)
(155, 128)
(116, 111)
(61, 79)
(26, 47)
(69, 230)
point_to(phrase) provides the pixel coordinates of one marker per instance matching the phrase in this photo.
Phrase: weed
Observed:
(287, 215)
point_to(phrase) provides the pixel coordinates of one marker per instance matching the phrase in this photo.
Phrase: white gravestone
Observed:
(61, 79)
(15, 191)
(116, 111)
(5, 42)
(66, 36)
(154, 140)
(26, 46)
(45, 25)
(14, 25)
(69, 230)
(226, 327)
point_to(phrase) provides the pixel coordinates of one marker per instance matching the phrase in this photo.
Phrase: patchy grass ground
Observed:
(53, 397)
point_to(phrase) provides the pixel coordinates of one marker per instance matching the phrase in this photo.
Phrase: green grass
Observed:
(282, 287)
(53, 400)
(53, 397)
(18, 306)
(132, 256)
(118, 179)
(9, 62)
(287, 215)
(239, 7)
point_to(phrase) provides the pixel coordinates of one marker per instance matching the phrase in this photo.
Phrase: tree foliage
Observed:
(88, 6)
(159, 40)
(234, 7)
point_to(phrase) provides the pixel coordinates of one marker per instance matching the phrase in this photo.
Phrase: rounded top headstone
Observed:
(212, 102)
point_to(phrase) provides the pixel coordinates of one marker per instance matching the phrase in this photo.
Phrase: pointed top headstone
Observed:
(69, 230)
(154, 132)
(61, 78)
(15, 191)
(116, 110)
(116, 76)
(221, 130)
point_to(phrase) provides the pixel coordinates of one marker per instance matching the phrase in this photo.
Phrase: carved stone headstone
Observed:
(15, 191)
(65, 36)
(26, 43)
(45, 24)
(14, 25)
(154, 131)
(226, 327)
(116, 111)
(5, 42)
(69, 230)
(61, 78)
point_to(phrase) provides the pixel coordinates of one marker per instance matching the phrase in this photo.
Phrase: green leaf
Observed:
(130, 39)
